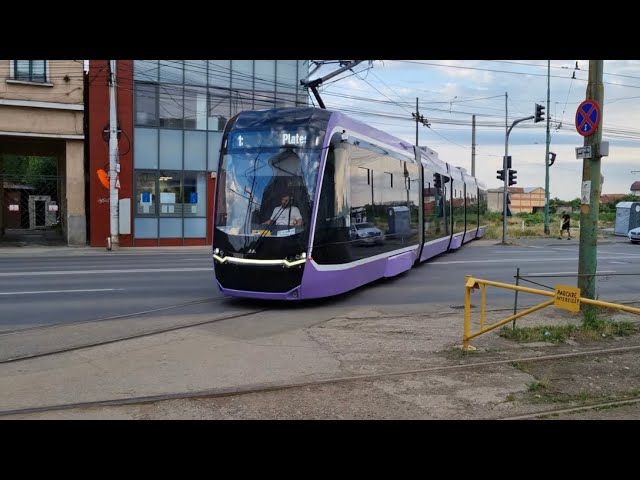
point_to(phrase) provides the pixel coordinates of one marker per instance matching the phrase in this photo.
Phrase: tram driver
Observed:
(285, 214)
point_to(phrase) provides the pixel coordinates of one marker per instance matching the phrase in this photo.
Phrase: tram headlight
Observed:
(299, 256)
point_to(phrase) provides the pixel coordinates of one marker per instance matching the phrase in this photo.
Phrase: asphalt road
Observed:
(54, 286)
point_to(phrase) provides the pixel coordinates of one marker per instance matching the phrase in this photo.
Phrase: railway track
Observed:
(275, 386)
(119, 338)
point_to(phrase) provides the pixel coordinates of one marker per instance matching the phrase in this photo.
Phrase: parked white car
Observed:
(634, 235)
(366, 233)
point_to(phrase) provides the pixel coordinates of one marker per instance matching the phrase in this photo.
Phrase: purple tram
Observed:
(311, 203)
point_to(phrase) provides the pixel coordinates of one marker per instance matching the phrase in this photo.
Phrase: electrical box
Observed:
(124, 216)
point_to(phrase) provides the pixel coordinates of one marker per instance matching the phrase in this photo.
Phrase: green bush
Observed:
(532, 218)
(607, 216)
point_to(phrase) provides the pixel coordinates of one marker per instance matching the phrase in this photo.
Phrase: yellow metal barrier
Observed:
(564, 296)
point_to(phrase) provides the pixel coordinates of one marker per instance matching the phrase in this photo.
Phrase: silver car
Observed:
(366, 234)
(634, 235)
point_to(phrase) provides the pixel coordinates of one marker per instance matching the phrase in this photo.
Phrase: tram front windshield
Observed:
(265, 195)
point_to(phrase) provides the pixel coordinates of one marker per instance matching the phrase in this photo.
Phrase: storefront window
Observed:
(146, 199)
(170, 186)
(195, 194)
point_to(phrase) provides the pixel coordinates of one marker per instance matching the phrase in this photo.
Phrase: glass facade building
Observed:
(180, 110)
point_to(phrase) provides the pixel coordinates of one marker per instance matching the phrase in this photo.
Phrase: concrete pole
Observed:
(113, 240)
(473, 146)
(546, 156)
(589, 212)
(417, 120)
(506, 173)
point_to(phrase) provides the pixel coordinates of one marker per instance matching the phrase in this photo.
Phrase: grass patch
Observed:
(546, 395)
(593, 330)
(554, 334)
(538, 386)
(522, 366)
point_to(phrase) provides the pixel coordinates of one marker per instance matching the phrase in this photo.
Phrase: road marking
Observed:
(63, 291)
(505, 260)
(93, 272)
(501, 260)
(564, 273)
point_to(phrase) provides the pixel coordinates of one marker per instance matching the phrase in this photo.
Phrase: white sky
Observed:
(450, 92)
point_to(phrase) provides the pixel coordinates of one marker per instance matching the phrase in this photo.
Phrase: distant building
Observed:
(611, 197)
(42, 165)
(635, 189)
(172, 114)
(523, 199)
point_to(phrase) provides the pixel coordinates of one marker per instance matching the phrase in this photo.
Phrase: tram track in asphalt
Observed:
(120, 338)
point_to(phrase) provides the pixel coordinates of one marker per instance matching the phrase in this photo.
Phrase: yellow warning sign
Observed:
(567, 298)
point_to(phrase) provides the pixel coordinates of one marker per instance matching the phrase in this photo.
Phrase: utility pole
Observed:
(114, 165)
(473, 146)
(505, 170)
(417, 121)
(546, 156)
(589, 212)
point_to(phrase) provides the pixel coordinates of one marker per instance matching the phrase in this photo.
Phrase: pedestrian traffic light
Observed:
(436, 181)
(512, 177)
(539, 113)
(552, 158)
(500, 175)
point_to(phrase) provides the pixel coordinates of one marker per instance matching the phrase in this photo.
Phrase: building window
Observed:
(170, 187)
(146, 199)
(170, 204)
(171, 106)
(30, 70)
(195, 194)
(146, 104)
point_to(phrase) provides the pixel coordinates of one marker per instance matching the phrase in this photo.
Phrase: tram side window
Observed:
(447, 192)
(331, 239)
(434, 218)
(413, 195)
(458, 202)
(482, 206)
(472, 206)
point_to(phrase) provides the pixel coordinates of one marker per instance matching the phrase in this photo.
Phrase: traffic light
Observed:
(500, 175)
(539, 113)
(512, 177)
(552, 158)
(436, 181)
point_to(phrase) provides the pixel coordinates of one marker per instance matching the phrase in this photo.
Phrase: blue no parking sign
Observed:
(587, 117)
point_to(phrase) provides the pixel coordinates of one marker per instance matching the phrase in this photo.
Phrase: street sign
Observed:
(587, 117)
(583, 152)
(567, 298)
